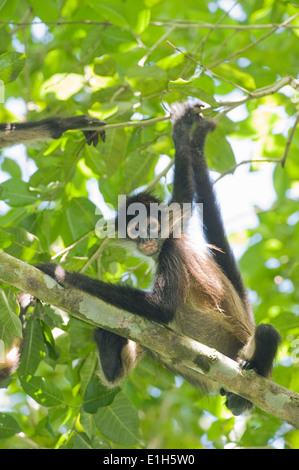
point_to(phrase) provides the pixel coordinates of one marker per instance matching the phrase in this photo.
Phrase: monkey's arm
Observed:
(51, 128)
(189, 134)
(158, 305)
(183, 182)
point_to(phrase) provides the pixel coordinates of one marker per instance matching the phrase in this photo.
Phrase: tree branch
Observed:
(171, 346)
(164, 24)
(245, 162)
(202, 25)
(283, 160)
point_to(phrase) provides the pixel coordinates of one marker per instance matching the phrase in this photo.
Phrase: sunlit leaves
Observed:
(33, 348)
(10, 324)
(132, 65)
(43, 391)
(11, 64)
(119, 421)
(9, 425)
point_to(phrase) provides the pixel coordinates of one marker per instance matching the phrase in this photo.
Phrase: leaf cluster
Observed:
(128, 61)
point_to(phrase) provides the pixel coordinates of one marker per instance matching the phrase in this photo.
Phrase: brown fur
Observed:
(210, 312)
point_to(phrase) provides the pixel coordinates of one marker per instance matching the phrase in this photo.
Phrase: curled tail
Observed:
(259, 354)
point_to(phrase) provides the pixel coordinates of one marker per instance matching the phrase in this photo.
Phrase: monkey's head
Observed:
(139, 220)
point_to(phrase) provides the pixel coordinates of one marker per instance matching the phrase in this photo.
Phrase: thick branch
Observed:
(171, 346)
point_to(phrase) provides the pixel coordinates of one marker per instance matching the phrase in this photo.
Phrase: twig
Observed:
(95, 256)
(56, 23)
(283, 160)
(236, 27)
(204, 40)
(154, 46)
(259, 93)
(224, 43)
(152, 184)
(206, 69)
(23, 20)
(146, 122)
(70, 247)
(254, 43)
(177, 24)
(264, 160)
(244, 162)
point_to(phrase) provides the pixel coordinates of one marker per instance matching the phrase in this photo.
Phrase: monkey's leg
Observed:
(259, 355)
(118, 356)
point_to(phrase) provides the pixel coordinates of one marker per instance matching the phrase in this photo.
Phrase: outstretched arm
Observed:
(158, 305)
(51, 128)
(190, 131)
(183, 182)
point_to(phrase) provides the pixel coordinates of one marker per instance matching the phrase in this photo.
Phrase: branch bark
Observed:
(171, 346)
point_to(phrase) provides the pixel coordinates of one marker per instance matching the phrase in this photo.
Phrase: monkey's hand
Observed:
(87, 124)
(188, 122)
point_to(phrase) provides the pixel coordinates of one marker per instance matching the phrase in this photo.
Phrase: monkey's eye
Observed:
(153, 227)
(133, 230)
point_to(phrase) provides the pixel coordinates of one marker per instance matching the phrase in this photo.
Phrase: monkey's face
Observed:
(146, 234)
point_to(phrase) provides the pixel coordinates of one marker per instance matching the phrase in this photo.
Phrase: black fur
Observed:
(51, 128)
(266, 341)
(110, 347)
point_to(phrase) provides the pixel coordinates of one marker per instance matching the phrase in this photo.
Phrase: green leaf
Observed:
(148, 80)
(193, 88)
(218, 150)
(34, 348)
(119, 421)
(143, 20)
(43, 392)
(82, 441)
(24, 245)
(46, 11)
(11, 167)
(8, 318)
(112, 14)
(16, 193)
(171, 61)
(114, 150)
(137, 169)
(105, 65)
(233, 73)
(8, 426)
(87, 370)
(11, 64)
(97, 396)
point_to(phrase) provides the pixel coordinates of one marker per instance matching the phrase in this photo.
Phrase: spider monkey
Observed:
(197, 291)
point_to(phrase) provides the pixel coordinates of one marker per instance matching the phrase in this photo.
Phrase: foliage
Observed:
(128, 61)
